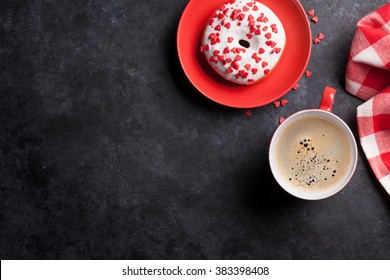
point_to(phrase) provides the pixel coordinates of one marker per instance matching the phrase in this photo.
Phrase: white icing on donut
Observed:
(228, 32)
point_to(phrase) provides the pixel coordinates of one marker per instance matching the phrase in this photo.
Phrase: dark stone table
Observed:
(108, 152)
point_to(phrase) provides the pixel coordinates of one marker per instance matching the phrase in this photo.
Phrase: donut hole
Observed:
(244, 43)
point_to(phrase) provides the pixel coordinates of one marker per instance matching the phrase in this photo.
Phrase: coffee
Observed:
(313, 154)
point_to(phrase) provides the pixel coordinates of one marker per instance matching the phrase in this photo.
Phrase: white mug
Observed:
(315, 168)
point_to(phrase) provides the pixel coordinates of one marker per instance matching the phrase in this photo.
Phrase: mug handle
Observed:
(327, 99)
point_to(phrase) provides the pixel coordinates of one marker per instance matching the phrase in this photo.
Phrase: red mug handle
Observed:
(327, 99)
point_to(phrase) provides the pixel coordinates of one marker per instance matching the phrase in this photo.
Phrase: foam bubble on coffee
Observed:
(313, 154)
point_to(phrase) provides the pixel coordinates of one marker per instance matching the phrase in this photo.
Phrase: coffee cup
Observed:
(313, 153)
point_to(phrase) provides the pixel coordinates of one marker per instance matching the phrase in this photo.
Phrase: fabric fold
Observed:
(368, 78)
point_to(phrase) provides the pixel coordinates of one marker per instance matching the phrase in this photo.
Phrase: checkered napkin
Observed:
(368, 77)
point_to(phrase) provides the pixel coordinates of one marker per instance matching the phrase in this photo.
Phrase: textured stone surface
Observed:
(107, 151)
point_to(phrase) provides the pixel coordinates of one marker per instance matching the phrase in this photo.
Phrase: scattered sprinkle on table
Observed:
(314, 19)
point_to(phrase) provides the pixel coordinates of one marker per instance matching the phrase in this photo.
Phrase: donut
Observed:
(243, 41)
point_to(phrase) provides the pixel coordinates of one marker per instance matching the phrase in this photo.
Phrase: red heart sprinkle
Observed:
(266, 71)
(213, 36)
(250, 17)
(265, 28)
(230, 39)
(257, 32)
(281, 120)
(227, 25)
(218, 28)
(271, 44)
(320, 36)
(264, 64)
(239, 24)
(234, 15)
(248, 66)
(216, 52)
(221, 15)
(261, 51)
(255, 8)
(265, 20)
(226, 50)
(211, 21)
(241, 16)
(316, 40)
(221, 57)
(245, 9)
(277, 104)
(308, 73)
(235, 65)
(311, 12)
(252, 23)
(249, 36)
(277, 50)
(250, 80)
(229, 60)
(284, 102)
(314, 19)
(207, 47)
(256, 58)
(238, 58)
(213, 59)
(250, 4)
(252, 29)
(268, 35)
(229, 70)
(254, 71)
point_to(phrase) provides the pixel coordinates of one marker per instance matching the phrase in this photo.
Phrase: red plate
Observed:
(286, 74)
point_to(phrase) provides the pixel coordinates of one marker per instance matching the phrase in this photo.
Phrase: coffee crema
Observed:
(313, 154)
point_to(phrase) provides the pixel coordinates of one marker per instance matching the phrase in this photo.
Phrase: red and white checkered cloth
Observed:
(368, 77)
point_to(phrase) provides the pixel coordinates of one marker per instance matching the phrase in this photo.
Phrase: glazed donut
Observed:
(243, 41)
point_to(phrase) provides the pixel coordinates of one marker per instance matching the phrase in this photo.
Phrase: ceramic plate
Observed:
(286, 74)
